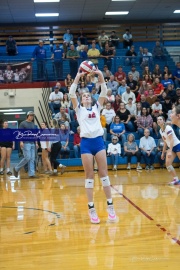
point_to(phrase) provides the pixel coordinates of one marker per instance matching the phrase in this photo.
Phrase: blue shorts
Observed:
(92, 145)
(176, 148)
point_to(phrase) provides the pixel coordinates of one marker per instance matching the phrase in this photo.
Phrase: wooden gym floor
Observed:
(44, 223)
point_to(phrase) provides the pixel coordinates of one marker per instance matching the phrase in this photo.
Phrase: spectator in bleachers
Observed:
(157, 73)
(103, 124)
(114, 39)
(135, 73)
(73, 56)
(147, 146)
(177, 75)
(162, 97)
(68, 80)
(151, 98)
(166, 106)
(82, 88)
(117, 128)
(109, 114)
(39, 54)
(144, 121)
(82, 37)
(117, 102)
(131, 59)
(66, 102)
(55, 99)
(67, 39)
(171, 93)
(83, 53)
(158, 51)
(110, 96)
(128, 94)
(2, 76)
(147, 59)
(167, 81)
(93, 54)
(107, 54)
(58, 55)
(106, 73)
(8, 74)
(96, 44)
(156, 112)
(125, 117)
(113, 85)
(102, 39)
(160, 146)
(147, 79)
(146, 72)
(144, 103)
(177, 93)
(94, 79)
(89, 83)
(138, 109)
(64, 138)
(120, 75)
(132, 84)
(127, 39)
(157, 87)
(122, 88)
(140, 54)
(80, 47)
(143, 89)
(167, 71)
(62, 114)
(94, 94)
(77, 142)
(114, 151)
(131, 107)
(131, 149)
(11, 47)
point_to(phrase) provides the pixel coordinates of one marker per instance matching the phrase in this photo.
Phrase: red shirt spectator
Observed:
(157, 87)
(120, 75)
(77, 139)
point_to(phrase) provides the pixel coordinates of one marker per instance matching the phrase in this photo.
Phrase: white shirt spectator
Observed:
(127, 36)
(156, 107)
(135, 75)
(114, 148)
(132, 109)
(147, 143)
(126, 96)
(53, 96)
(109, 114)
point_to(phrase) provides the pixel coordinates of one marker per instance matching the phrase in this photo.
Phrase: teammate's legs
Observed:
(170, 168)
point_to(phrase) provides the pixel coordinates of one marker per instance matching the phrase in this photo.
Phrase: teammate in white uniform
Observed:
(173, 144)
(92, 144)
(175, 116)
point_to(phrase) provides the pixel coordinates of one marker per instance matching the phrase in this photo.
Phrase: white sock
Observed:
(109, 201)
(1, 169)
(8, 169)
(91, 204)
(60, 165)
(55, 170)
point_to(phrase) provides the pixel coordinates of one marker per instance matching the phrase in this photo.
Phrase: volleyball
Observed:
(87, 66)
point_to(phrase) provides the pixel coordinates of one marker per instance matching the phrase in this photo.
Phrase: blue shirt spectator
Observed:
(39, 52)
(122, 88)
(58, 53)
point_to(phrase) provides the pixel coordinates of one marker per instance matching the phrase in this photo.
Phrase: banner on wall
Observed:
(15, 72)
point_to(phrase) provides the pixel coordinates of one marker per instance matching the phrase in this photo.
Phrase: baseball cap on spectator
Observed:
(30, 113)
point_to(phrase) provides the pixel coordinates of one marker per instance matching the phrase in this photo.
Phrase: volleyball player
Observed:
(173, 144)
(175, 116)
(92, 144)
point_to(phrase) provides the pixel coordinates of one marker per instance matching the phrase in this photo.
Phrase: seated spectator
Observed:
(131, 149)
(83, 53)
(64, 120)
(58, 85)
(8, 74)
(113, 85)
(166, 106)
(114, 151)
(146, 71)
(67, 40)
(122, 88)
(82, 37)
(82, 88)
(109, 114)
(64, 138)
(158, 51)
(157, 73)
(68, 80)
(138, 109)
(156, 111)
(134, 73)
(144, 103)
(103, 124)
(144, 121)
(162, 97)
(110, 96)
(147, 146)
(80, 47)
(94, 94)
(11, 47)
(120, 75)
(157, 87)
(132, 84)
(177, 93)
(128, 94)
(167, 81)
(132, 109)
(143, 89)
(77, 141)
(66, 102)
(73, 56)
(177, 75)
(89, 83)
(102, 39)
(106, 73)
(140, 54)
(55, 100)
(117, 128)
(160, 146)
(94, 79)
(168, 72)
(125, 117)
(63, 116)
(114, 39)
(116, 103)
(131, 59)
(147, 59)
(171, 93)
(93, 54)
(127, 39)
(107, 54)
(151, 98)
(147, 79)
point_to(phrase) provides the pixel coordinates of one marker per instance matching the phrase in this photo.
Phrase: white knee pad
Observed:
(89, 183)
(170, 168)
(105, 181)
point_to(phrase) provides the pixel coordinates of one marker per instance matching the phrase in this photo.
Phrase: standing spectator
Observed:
(114, 39)
(113, 85)
(122, 88)
(109, 113)
(64, 138)
(39, 54)
(134, 73)
(77, 141)
(120, 75)
(131, 149)
(11, 47)
(73, 55)
(158, 51)
(102, 39)
(114, 150)
(82, 37)
(140, 54)
(107, 54)
(117, 128)
(93, 54)
(58, 56)
(131, 59)
(67, 39)
(28, 148)
(177, 75)
(125, 117)
(128, 94)
(147, 146)
(127, 39)
(45, 146)
(6, 150)
(144, 121)
(55, 99)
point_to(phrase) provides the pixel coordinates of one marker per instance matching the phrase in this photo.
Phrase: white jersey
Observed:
(89, 121)
(165, 136)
